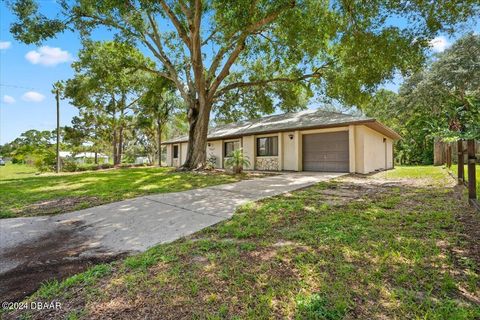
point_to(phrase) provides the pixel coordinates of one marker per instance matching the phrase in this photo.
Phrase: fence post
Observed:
(472, 183)
(460, 162)
(449, 155)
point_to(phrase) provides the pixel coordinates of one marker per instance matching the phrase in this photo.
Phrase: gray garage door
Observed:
(326, 152)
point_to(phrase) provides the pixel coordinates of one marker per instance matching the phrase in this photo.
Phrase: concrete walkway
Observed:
(136, 224)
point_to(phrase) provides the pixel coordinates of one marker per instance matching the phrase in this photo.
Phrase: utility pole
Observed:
(58, 128)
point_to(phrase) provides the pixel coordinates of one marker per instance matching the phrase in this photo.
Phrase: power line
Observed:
(18, 87)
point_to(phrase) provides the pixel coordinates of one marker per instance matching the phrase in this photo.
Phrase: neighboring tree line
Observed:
(119, 104)
(439, 102)
(32, 147)
(124, 112)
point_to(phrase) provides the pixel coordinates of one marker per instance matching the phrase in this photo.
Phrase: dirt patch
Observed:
(56, 255)
(57, 205)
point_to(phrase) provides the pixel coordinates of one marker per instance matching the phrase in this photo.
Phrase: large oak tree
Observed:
(258, 53)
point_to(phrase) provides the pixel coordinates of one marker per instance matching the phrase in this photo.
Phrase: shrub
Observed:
(211, 163)
(69, 165)
(237, 160)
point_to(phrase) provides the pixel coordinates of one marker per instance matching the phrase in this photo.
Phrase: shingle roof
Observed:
(281, 122)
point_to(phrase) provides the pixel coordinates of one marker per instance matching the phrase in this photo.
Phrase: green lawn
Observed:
(16, 171)
(431, 173)
(23, 193)
(356, 248)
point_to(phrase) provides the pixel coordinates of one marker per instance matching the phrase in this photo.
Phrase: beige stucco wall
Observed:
(359, 133)
(169, 155)
(289, 155)
(214, 148)
(248, 145)
(389, 153)
(373, 153)
(367, 150)
(183, 152)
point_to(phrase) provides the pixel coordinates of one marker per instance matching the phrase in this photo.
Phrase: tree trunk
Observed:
(120, 145)
(57, 98)
(159, 142)
(114, 146)
(198, 118)
(95, 144)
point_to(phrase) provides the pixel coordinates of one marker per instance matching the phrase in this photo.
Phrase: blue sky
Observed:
(27, 73)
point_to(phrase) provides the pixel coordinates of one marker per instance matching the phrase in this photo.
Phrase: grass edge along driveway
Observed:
(356, 248)
(53, 194)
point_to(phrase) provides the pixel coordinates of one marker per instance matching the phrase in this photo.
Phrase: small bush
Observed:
(69, 165)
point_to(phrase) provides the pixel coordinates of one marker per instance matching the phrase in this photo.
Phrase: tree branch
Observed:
(176, 23)
(236, 85)
(240, 45)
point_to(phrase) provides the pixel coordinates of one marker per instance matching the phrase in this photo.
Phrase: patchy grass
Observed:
(356, 248)
(52, 194)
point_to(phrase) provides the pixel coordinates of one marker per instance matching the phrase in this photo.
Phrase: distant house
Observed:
(310, 140)
(83, 157)
(142, 160)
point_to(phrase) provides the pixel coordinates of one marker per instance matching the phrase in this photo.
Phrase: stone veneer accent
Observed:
(266, 163)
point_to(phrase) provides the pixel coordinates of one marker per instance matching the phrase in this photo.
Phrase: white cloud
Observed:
(439, 44)
(32, 96)
(5, 45)
(8, 99)
(48, 56)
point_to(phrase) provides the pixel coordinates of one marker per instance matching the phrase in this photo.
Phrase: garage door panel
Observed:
(326, 152)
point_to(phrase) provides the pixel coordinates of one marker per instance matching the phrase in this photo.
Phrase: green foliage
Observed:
(237, 160)
(106, 85)
(446, 95)
(242, 58)
(443, 100)
(33, 147)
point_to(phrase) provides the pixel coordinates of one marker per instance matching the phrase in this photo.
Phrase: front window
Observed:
(229, 147)
(267, 147)
(175, 152)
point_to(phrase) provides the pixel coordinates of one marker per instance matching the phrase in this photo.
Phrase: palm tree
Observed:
(237, 160)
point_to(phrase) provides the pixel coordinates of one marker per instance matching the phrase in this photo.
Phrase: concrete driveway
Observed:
(39, 248)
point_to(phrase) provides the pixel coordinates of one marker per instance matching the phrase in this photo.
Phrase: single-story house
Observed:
(83, 156)
(310, 140)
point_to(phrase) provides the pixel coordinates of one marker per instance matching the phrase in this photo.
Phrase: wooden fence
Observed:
(471, 160)
(467, 153)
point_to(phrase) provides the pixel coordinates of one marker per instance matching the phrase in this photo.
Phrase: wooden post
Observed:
(461, 170)
(438, 153)
(449, 155)
(58, 129)
(472, 183)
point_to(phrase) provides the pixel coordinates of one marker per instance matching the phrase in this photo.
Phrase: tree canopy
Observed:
(252, 56)
(441, 100)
